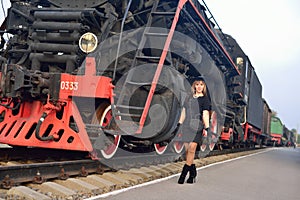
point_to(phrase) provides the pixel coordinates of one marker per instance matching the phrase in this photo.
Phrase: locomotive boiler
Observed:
(108, 76)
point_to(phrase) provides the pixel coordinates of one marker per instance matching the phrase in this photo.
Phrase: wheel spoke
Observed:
(178, 147)
(214, 129)
(103, 117)
(160, 149)
(111, 149)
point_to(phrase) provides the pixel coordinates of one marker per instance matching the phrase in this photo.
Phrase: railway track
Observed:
(54, 176)
(39, 165)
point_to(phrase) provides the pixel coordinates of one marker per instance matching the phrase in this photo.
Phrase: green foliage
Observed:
(274, 113)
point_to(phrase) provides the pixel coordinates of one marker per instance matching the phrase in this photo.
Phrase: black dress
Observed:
(193, 126)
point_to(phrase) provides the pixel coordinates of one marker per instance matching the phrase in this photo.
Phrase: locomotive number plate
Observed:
(68, 85)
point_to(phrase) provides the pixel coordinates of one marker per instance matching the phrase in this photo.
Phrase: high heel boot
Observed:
(193, 174)
(183, 174)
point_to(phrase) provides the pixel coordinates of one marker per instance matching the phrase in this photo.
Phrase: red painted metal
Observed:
(160, 66)
(276, 137)
(246, 128)
(88, 85)
(0, 82)
(254, 130)
(19, 129)
(250, 129)
(225, 136)
(254, 138)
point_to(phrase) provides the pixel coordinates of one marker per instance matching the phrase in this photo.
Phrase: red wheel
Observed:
(204, 144)
(160, 149)
(213, 129)
(178, 147)
(209, 141)
(103, 116)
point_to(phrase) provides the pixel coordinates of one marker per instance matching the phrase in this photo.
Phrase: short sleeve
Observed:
(206, 103)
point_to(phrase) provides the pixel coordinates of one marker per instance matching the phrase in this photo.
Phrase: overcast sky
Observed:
(269, 33)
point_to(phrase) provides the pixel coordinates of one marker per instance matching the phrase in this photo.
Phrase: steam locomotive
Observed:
(107, 75)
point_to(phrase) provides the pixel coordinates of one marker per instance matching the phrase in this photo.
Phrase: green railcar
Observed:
(276, 131)
(276, 126)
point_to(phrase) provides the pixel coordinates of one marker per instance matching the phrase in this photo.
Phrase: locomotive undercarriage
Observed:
(44, 69)
(236, 131)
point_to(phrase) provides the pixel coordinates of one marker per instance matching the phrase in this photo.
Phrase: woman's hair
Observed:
(193, 87)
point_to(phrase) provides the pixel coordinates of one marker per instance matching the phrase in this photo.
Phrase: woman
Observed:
(196, 112)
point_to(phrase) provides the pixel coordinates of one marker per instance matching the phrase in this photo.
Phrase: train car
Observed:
(244, 114)
(266, 123)
(288, 137)
(108, 77)
(253, 126)
(276, 131)
(293, 139)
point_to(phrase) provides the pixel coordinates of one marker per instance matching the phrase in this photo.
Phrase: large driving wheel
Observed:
(204, 143)
(103, 116)
(213, 129)
(160, 149)
(178, 145)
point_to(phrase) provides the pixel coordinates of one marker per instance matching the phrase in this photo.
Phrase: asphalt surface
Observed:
(270, 175)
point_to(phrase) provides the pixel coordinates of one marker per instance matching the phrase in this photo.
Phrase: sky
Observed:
(268, 31)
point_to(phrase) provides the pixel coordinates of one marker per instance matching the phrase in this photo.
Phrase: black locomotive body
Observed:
(244, 119)
(99, 76)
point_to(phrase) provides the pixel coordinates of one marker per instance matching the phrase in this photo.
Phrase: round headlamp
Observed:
(88, 42)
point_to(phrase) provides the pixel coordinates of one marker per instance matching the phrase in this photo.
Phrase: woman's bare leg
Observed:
(191, 153)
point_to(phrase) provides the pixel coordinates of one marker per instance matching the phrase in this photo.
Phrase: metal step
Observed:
(129, 115)
(163, 13)
(123, 110)
(157, 34)
(127, 127)
(93, 127)
(138, 83)
(152, 59)
(130, 107)
(148, 57)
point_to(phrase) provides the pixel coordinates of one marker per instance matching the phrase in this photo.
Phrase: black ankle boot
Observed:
(183, 174)
(193, 174)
